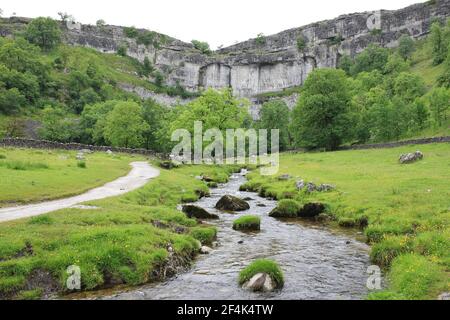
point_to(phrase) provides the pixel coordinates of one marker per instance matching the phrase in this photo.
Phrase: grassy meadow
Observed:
(29, 175)
(131, 239)
(407, 206)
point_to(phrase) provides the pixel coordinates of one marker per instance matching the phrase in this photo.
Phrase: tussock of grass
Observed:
(262, 266)
(248, 222)
(23, 165)
(81, 164)
(206, 235)
(286, 208)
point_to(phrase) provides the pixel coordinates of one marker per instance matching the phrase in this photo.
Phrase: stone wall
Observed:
(45, 144)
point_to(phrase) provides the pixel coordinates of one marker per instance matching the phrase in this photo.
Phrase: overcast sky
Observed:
(219, 22)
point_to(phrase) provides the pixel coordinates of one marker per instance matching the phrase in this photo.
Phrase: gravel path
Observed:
(139, 175)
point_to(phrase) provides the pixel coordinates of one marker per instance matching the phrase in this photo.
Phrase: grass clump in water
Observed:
(206, 235)
(263, 266)
(286, 208)
(248, 222)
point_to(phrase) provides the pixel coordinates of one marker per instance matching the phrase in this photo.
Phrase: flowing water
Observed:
(318, 263)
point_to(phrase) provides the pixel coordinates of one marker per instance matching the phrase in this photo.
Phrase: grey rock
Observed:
(311, 210)
(300, 184)
(311, 187)
(325, 188)
(444, 296)
(410, 157)
(284, 177)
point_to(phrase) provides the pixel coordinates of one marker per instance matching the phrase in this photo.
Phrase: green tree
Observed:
(321, 118)
(93, 120)
(408, 86)
(11, 100)
(57, 126)
(44, 32)
(275, 114)
(125, 125)
(346, 64)
(406, 47)
(439, 102)
(396, 64)
(154, 116)
(437, 40)
(202, 46)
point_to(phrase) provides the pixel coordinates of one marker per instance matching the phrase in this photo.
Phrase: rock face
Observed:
(410, 157)
(231, 203)
(252, 68)
(260, 282)
(198, 213)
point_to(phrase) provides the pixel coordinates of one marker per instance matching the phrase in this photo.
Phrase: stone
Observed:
(232, 203)
(284, 177)
(260, 282)
(109, 152)
(193, 211)
(80, 157)
(311, 187)
(207, 179)
(311, 210)
(444, 296)
(325, 188)
(205, 250)
(167, 164)
(261, 205)
(410, 157)
(87, 151)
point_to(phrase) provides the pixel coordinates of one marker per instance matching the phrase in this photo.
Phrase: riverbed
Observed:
(318, 262)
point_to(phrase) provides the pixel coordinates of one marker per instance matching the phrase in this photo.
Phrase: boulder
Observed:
(231, 203)
(311, 187)
(109, 152)
(410, 157)
(197, 212)
(300, 184)
(168, 165)
(80, 157)
(444, 296)
(311, 210)
(284, 177)
(260, 282)
(205, 250)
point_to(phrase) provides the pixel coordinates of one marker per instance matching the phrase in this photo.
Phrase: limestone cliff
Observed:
(269, 64)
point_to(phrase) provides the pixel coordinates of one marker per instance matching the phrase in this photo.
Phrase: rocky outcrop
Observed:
(231, 203)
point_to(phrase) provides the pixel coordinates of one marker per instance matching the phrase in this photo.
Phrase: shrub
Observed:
(81, 164)
(2, 156)
(260, 39)
(202, 46)
(130, 32)
(205, 235)
(44, 219)
(122, 51)
(262, 266)
(249, 222)
(286, 208)
(301, 43)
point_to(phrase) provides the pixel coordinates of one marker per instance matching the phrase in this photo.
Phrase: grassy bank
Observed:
(131, 239)
(30, 175)
(407, 206)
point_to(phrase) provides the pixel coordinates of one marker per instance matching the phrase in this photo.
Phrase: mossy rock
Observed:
(247, 223)
(286, 208)
(264, 266)
(232, 203)
(311, 210)
(193, 211)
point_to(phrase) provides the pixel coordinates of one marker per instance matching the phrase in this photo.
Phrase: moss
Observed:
(248, 222)
(263, 266)
(286, 208)
(206, 235)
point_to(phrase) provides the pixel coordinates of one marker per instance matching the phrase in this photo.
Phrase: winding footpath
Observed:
(139, 175)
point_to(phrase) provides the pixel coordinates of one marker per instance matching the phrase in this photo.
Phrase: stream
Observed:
(317, 262)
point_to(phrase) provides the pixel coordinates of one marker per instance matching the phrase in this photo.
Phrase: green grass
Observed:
(248, 222)
(407, 206)
(262, 266)
(30, 175)
(118, 242)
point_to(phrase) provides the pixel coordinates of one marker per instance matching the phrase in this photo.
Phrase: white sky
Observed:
(219, 22)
